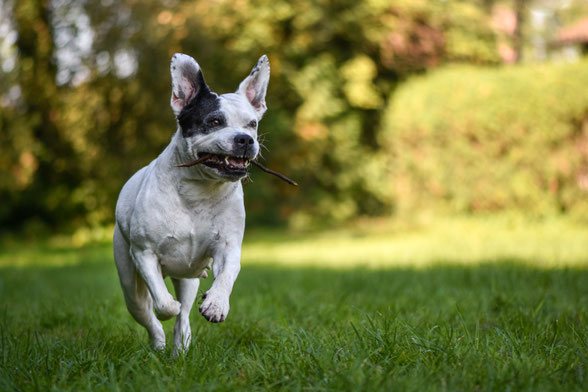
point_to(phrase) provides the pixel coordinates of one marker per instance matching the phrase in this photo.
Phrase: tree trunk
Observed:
(55, 178)
(518, 41)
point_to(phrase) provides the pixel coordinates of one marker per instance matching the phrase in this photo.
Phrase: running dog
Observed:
(178, 219)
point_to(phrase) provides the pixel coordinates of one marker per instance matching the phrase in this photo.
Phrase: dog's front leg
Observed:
(149, 268)
(226, 267)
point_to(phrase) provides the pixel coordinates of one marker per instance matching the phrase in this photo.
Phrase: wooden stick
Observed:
(279, 175)
(259, 165)
(197, 161)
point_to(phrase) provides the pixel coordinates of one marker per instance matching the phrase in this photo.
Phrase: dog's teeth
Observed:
(227, 160)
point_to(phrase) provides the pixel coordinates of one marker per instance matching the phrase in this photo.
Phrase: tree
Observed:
(334, 65)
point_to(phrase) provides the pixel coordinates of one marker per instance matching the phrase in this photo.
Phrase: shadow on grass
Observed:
(499, 323)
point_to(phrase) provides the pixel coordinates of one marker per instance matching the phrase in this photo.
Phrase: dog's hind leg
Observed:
(186, 290)
(137, 297)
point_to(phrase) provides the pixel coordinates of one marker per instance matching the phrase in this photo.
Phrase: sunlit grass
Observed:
(555, 242)
(546, 243)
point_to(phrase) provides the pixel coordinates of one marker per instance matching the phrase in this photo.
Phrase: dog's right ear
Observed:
(187, 81)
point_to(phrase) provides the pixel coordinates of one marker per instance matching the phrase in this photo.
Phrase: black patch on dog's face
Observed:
(196, 115)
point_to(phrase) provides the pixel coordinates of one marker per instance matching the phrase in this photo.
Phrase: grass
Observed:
(477, 314)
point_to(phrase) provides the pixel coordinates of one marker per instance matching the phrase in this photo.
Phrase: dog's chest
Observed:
(186, 253)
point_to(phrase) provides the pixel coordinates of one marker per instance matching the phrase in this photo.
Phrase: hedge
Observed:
(470, 139)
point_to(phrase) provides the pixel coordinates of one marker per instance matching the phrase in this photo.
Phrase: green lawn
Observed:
(466, 305)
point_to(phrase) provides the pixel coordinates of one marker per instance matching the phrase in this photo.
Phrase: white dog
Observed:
(176, 221)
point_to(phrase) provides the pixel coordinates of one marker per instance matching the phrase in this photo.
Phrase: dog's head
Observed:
(221, 126)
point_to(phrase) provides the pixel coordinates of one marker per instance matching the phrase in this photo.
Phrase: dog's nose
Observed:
(243, 139)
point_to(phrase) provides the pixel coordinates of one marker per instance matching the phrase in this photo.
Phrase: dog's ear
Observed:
(187, 81)
(254, 86)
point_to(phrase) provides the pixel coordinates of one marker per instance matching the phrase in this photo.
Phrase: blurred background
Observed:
(380, 109)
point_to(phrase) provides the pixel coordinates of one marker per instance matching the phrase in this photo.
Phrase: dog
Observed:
(179, 221)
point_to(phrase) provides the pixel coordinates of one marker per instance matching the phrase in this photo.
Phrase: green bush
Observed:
(480, 139)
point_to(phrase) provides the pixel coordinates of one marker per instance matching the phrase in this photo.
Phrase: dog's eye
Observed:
(252, 123)
(215, 122)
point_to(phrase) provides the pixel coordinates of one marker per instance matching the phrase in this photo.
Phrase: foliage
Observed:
(488, 324)
(472, 139)
(89, 115)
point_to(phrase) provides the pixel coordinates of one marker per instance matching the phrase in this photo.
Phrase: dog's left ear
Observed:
(187, 81)
(254, 86)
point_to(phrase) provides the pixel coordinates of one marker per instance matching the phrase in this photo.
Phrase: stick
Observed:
(279, 175)
(259, 165)
(197, 161)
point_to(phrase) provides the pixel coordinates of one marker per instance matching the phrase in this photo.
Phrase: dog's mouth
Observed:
(232, 166)
(226, 164)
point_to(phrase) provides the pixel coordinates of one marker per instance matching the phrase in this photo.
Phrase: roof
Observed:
(576, 33)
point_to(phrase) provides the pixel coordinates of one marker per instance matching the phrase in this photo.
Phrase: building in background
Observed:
(573, 40)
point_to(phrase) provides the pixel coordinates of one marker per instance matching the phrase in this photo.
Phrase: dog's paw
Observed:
(158, 344)
(167, 308)
(215, 307)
